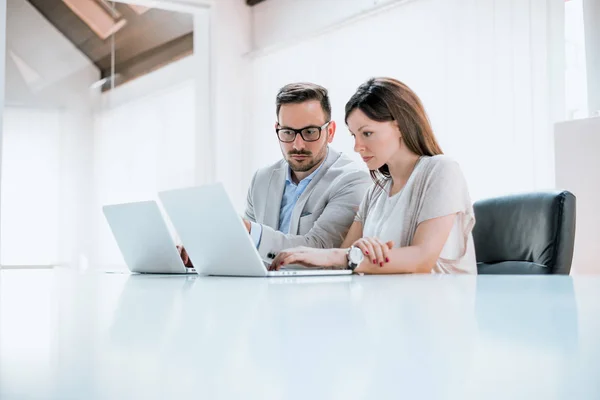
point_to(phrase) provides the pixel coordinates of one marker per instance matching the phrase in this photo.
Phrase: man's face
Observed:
(303, 155)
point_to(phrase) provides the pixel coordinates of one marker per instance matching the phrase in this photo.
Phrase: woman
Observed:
(418, 216)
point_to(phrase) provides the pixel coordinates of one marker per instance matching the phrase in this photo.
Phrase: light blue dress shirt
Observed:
(291, 194)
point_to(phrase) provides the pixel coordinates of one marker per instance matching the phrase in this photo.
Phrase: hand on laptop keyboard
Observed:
(184, 257)
(310, 257)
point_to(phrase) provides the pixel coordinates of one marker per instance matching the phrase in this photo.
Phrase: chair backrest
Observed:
(532, 233)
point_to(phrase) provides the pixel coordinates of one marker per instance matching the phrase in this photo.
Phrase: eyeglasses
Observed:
(308, 134)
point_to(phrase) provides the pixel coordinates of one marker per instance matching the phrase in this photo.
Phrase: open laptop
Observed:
(214, 235)
(143, 238)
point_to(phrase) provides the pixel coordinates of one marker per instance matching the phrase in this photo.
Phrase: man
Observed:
(310, 197)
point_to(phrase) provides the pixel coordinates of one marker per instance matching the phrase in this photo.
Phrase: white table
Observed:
(67, 335)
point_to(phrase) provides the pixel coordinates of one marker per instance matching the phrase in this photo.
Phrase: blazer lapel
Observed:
(274, 196)
(332, 157)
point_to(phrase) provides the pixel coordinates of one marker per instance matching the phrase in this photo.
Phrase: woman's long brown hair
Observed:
(387, 99)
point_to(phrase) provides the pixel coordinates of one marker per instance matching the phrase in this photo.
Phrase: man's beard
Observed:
(307, 164)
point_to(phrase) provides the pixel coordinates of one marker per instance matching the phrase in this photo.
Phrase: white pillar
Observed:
(205, 140)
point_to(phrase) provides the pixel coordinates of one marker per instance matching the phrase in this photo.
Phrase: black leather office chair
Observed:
(531, 233)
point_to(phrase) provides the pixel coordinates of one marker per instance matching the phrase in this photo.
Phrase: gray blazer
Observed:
(323, 213)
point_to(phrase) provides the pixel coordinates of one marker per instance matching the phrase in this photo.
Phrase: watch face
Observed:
(356, 255)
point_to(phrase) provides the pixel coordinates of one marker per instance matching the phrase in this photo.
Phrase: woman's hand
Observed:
(375, 250)
(310, 257)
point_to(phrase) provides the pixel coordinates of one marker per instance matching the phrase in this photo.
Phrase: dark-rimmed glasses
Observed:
(308, 133)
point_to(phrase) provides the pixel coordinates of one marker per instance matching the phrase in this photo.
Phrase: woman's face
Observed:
(375, 141)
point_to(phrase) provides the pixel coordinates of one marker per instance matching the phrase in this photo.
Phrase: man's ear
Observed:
(331, 131)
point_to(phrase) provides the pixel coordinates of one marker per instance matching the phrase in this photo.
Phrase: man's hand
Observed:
(184, 257)
(248, 225)
(310, 257)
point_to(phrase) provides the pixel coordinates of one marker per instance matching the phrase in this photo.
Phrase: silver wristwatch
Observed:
(355, 256)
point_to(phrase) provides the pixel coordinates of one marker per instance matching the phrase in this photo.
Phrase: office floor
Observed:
(71, 335)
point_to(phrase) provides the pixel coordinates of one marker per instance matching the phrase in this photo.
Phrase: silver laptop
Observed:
(143, 238)
(214, 235)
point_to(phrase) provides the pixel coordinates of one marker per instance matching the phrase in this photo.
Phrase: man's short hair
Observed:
(295, 93)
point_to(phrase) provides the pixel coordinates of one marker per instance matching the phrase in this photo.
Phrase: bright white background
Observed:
(491, 73)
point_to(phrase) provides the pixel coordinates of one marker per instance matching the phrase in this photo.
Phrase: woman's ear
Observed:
(395, 123)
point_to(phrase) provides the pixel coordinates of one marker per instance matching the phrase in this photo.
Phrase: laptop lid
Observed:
(213, 234)
(143, 238)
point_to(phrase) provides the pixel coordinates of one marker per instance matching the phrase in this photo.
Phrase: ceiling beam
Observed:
(184, 6)
(151, 60)
(138, 9)
(96, 17)
(109, 7)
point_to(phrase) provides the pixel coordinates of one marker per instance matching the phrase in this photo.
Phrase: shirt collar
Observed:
(309, 178)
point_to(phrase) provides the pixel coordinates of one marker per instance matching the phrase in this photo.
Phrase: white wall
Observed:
(578, 170)
(489, 73)
(141, 147)
(277, 22)
(46, 73)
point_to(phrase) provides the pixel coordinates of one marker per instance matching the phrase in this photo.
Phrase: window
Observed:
(575, 61)
(30, 185)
